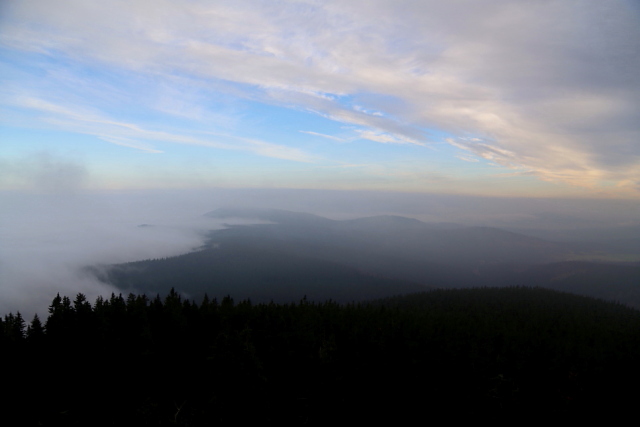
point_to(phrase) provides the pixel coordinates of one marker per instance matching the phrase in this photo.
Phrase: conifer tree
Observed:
(35, 331)
(56, 304)
(16, 326)
(81, 305)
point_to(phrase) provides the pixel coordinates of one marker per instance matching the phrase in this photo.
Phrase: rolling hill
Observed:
(288, 255)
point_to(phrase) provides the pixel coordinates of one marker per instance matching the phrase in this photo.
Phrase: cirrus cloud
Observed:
(547, 88)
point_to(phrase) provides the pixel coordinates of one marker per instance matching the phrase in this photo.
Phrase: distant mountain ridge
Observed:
(275, 215)
(405, 235)
(281, 216)
(287, 255)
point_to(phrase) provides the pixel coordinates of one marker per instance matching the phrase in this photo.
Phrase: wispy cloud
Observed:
(386, 138)
(128, 134)
(363, 110)
(130, 144)
(550, 87)
(468, 159)
(335, 138)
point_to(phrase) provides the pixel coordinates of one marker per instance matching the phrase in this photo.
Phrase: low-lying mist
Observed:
(47, 239)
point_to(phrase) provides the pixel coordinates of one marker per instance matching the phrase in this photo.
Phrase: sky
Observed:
(516, 114)
(493, 97)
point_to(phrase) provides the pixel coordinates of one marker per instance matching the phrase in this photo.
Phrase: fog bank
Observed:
(46, 239)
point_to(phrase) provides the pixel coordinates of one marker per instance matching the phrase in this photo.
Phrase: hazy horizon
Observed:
(48, 238)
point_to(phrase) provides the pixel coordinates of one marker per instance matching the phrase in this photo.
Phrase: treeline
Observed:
(465, 354)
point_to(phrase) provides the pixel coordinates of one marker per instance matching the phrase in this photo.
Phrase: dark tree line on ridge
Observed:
(465, 354)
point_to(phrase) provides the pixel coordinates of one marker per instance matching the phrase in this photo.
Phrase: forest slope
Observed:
(467, 355)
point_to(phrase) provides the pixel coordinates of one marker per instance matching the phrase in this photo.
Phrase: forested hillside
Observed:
(295, 254)
(465, 354)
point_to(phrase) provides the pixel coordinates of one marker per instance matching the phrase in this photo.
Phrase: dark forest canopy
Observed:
(468, 354)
